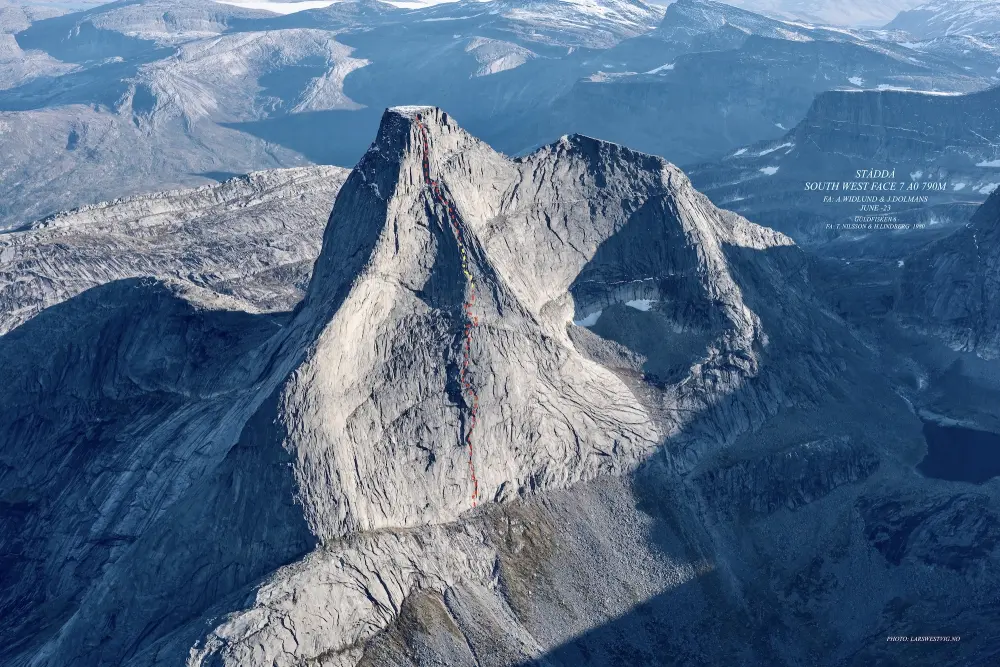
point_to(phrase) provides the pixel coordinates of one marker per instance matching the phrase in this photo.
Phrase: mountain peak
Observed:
(401, 121)
(459, 267)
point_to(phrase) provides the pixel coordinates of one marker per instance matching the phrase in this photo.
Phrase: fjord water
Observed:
(960, 454)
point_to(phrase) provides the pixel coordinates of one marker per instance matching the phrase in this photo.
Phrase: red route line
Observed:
(471, 320)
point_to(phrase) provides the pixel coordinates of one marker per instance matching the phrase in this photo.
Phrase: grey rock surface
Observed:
(253, 238)
(240, 488)
(950, 288)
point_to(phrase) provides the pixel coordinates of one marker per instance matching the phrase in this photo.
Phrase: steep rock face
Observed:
(949, 122)
(531, 262)
(432, 457)
(951, 288)
(252, 237)
(789, 479)
(101, 441)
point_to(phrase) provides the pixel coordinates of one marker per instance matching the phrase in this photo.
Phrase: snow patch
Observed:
(901, 89)
(640, 304)
(857, 81)
(958, 186)
(661, 68)
(769, 171)
(776, 148)
(589, 320)
(740, 152)
(988, 188)
(989, 163)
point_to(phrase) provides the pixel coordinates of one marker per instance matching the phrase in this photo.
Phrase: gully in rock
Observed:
(471, 320)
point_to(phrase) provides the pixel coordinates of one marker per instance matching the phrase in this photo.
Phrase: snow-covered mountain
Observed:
(950, 17)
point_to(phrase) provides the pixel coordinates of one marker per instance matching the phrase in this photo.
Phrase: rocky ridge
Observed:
(261, 489)
(253, 238)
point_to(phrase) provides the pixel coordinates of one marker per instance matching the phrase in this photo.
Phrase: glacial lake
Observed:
(960, 454)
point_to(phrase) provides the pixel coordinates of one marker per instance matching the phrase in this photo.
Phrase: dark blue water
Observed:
(960, 454)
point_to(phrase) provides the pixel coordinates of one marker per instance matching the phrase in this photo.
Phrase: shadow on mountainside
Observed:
(125, 485)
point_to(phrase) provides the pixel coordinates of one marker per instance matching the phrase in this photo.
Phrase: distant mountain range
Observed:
(942, 147)
(136, 96)
(710, 77)
(857, 13)
(950, 17)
